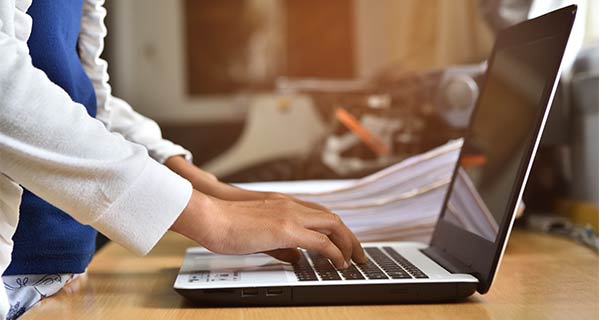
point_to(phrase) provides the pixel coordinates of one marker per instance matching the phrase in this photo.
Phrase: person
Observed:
(75, 159)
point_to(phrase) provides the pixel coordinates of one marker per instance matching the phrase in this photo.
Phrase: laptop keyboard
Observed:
(383, 263)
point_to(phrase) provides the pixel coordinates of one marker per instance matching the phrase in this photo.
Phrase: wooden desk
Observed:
(541, 277)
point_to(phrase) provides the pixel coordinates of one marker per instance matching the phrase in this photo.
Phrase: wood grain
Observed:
(541, 277)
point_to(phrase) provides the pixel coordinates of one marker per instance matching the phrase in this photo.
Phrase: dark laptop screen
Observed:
(501, 132)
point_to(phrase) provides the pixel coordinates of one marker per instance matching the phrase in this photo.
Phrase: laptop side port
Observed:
(249, 292)
(271, 292)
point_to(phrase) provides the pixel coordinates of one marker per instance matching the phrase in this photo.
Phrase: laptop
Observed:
(475, 220)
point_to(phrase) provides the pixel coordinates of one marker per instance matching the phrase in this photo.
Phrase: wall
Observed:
(148, 68)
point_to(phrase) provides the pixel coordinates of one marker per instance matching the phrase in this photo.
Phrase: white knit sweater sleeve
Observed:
(49, 145)
(116, 114)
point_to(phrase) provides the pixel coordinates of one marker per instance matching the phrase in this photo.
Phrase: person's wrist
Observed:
(178, 164)
(192, 220)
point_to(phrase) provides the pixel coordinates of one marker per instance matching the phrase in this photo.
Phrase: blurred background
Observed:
(305, 89)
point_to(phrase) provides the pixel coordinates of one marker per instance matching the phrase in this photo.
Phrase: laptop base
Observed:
(331, 295)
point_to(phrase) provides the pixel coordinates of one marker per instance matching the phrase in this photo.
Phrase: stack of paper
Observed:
(401, 202)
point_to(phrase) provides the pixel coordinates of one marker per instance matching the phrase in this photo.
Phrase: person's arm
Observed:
(50, 145)
(207, 183)
(116, 114)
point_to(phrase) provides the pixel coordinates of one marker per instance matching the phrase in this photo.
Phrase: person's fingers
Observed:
(320, 243)
(344, 243)
(352, 247)
(358, 253)
(332, 225)
(290, 255)
(355, 251)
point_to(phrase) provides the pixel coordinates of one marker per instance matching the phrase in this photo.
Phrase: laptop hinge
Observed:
(450, 263)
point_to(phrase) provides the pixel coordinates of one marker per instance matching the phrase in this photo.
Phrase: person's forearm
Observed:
(208, 183)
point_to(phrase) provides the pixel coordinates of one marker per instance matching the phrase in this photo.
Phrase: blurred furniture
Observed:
(584, 126)
(541, 277)
(564, 177)
(276, 127)
(407, 113)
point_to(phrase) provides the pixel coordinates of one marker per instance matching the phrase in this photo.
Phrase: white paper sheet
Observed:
(401, 202)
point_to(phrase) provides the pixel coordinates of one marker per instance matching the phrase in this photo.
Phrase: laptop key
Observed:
(372, 271)
(399, 275)
(352, 273)
(407, 265)
(324, 268)
(304, 271)
(388, 265)
(378, 267)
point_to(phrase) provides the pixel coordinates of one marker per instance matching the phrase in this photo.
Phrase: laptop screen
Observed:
(502, 129)
(503, 135)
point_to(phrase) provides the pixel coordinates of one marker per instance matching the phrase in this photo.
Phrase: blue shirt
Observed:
(48, 240)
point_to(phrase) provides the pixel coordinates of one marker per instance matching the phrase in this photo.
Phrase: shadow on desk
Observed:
(156, 288)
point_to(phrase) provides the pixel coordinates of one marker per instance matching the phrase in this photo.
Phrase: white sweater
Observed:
(115, 184)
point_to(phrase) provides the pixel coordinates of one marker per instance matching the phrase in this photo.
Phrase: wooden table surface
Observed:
(541, 277)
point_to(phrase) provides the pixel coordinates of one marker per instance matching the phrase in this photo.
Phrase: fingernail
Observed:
(345, 265)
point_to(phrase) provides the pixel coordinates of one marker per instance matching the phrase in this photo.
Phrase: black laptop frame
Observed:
(458, 249)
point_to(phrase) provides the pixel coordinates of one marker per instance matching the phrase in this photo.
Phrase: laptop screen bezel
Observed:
(480, 256)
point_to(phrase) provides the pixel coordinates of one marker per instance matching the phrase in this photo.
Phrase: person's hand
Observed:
(276, 226)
